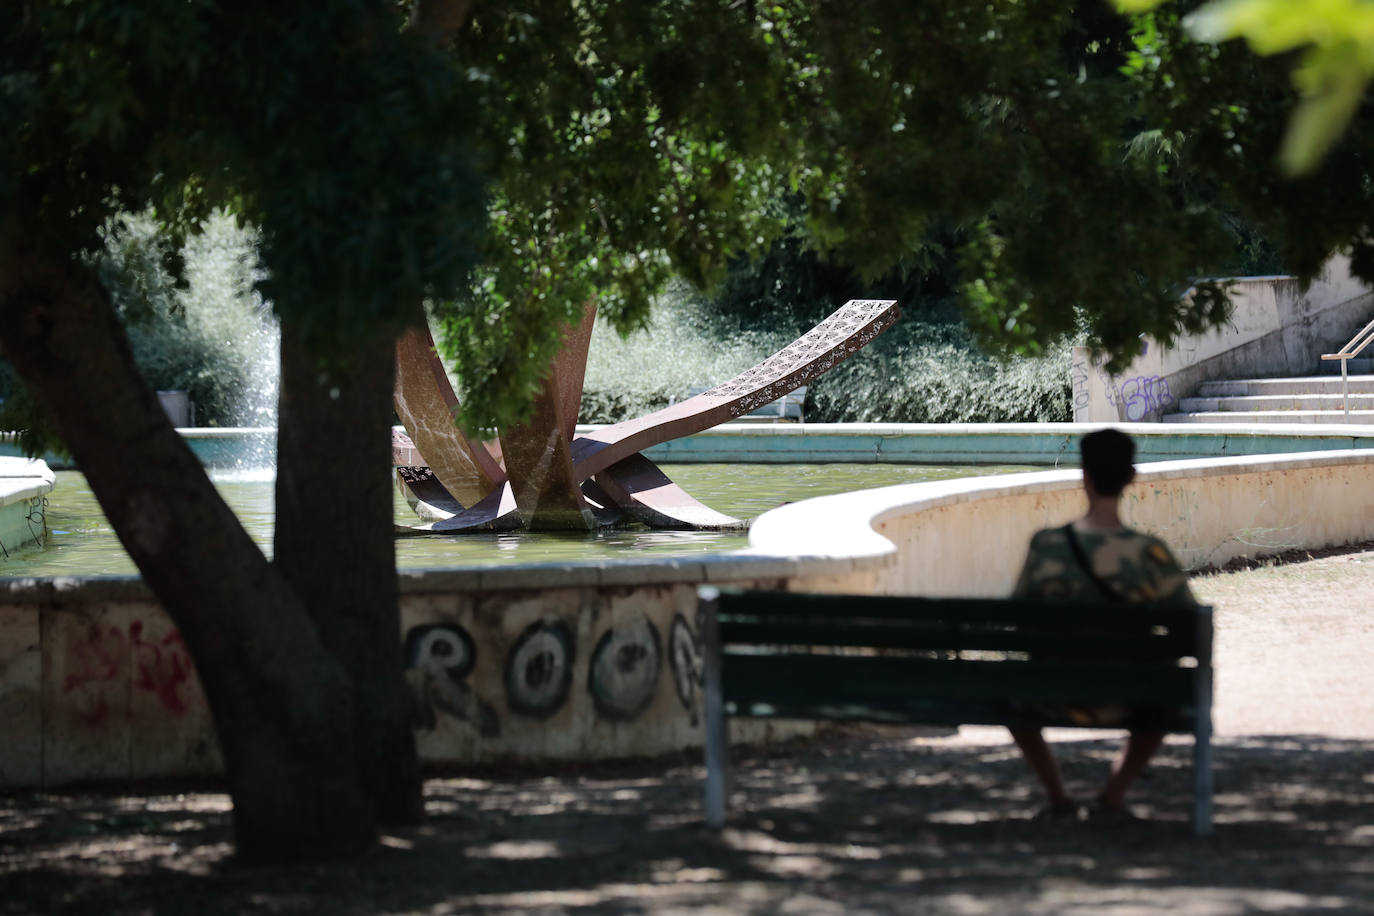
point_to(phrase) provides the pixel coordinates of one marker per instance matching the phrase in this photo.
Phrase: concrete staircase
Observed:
(1311, 399)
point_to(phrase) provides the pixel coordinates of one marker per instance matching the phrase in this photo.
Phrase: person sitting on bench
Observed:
(1098, 557)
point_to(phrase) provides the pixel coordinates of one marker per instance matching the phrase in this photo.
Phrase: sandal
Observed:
(1066, 809)
(1112, 814)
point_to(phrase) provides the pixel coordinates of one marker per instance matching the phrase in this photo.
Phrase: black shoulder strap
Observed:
(1082, 559)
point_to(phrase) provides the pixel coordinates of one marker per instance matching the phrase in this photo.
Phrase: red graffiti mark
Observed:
(162, 666)
(97, 660)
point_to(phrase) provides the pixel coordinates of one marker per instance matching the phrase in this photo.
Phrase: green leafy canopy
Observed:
(632, 142)
(562, 151)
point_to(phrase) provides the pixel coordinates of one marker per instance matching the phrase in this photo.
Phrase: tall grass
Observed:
(923, 370)
(683, 347)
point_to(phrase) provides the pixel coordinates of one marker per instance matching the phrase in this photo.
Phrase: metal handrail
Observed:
(1347, 352)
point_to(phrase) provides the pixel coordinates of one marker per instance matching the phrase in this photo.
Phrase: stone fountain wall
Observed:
(551, 662)
(968, 537)
(601, 660)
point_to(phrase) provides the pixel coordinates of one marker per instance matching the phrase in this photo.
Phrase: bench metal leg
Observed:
(1202, 734)
(716, 764)
(713, 712)
(1202, 782)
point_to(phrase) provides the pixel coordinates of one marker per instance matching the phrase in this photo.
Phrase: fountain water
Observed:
(222, 306)
(223, 311)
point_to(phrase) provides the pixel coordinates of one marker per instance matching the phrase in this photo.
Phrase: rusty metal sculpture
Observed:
(541, 474)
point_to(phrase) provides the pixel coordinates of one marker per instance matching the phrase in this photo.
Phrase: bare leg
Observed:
(1139, 748)
(1042, 762)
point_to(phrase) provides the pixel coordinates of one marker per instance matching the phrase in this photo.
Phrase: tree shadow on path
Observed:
(867, 820)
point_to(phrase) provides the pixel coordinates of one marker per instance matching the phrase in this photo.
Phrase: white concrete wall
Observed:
(23, 484)
(969, 536)
(1276, 329)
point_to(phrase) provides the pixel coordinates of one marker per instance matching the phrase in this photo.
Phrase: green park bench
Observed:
(955, 661)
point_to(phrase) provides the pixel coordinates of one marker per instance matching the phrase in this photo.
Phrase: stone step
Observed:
(1274, 402)
(1360, 364)
(1271, 416)
(1313, 384)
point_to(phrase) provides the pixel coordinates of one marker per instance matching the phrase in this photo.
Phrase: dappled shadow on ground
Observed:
(864, 821)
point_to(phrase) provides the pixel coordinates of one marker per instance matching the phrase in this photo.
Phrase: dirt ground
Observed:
(863, 820)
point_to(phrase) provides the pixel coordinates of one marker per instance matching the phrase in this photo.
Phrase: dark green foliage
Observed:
(21, 413)
(790, 288)
(928, 368)
(614, 404)
(986, 145)
(629, 142)
(342, 137)
(1233, 108)
(624, 143)
(983, 145)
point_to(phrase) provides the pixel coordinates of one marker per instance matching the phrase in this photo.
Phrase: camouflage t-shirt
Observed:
(1137, 567)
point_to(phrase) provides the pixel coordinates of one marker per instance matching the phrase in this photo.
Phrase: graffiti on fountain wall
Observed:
(439, 659)
(1134, 399)
(625, 666)
(623, 671)
(538, 674)
(689, 671)
(98, 660)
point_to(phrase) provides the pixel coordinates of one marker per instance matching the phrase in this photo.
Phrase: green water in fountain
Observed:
(82, 543)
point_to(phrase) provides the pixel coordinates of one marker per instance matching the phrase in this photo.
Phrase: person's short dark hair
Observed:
(1108, 460)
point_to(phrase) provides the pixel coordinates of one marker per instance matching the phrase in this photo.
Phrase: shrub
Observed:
(683, 347)
(207, 332)
(925, 369)
(920, 372)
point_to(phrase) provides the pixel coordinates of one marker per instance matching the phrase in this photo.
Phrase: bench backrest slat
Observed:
(1166, 646)
(1088, 630)
(846, 677)
(779, 607)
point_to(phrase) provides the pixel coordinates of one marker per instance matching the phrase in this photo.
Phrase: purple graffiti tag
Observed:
(1140, 396)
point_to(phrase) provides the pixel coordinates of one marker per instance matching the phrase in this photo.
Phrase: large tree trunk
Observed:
(282, 701)
(335, 544)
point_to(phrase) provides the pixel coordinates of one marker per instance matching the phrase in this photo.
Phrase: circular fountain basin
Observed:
(82, 543)
(600, 658)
